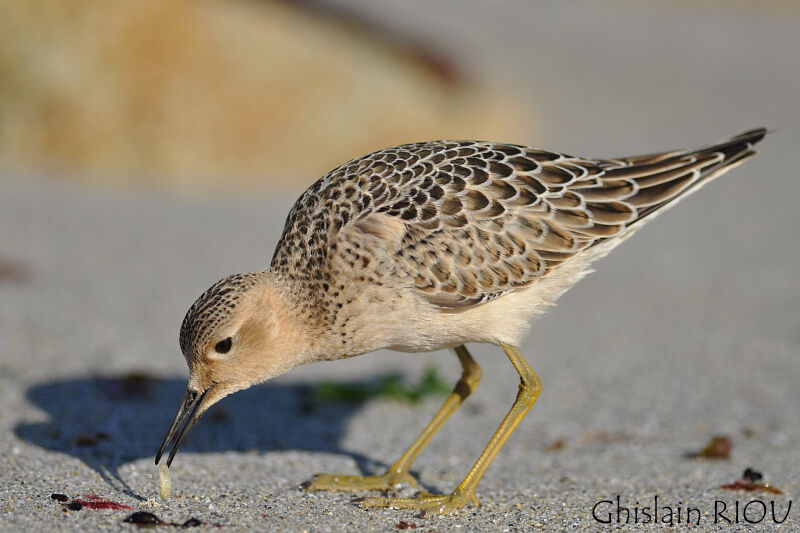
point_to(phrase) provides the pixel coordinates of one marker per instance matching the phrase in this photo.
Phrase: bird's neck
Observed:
(305, 330)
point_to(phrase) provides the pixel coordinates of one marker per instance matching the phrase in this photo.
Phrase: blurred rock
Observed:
(219, 96)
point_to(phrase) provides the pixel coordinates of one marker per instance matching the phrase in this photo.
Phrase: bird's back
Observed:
(465, 222)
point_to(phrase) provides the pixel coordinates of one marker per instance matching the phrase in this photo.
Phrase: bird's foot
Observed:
(385, 481)
(437, 503)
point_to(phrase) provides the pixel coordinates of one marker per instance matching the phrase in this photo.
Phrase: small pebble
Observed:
(752, 475)
(143, 518)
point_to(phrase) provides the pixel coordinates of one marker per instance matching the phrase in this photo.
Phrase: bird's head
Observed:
(240, 332)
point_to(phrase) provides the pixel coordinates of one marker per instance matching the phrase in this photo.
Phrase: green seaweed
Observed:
(389, 386)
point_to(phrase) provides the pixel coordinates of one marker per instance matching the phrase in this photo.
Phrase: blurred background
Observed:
(230, 97)
(148, 148)
(247, 96)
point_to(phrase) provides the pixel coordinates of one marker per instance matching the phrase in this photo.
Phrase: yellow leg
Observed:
(529, 388)
(398, 472)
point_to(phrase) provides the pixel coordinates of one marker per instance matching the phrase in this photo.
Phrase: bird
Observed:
(423, 247)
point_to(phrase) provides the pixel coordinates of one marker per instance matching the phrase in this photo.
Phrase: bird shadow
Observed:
(107, 422)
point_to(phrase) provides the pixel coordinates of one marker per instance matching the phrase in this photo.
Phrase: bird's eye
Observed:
(223, 346)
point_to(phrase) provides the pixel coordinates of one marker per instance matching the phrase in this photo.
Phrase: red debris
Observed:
(751, 481)
(91, 439)
(556, 445)
(750, 486)
(604, 437)
(93, 501)
(405, 525)
(719, 447)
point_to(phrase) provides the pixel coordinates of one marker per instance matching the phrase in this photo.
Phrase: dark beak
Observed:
(183, 422)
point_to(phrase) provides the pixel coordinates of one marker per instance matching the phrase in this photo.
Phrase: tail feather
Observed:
(664, 178)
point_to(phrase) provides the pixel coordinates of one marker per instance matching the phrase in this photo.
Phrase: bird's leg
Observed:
(398, 472)
(529, 388)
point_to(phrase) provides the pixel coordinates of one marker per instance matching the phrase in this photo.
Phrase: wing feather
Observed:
(467, 221)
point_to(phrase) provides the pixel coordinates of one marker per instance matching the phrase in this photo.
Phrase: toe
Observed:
(442, 504)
